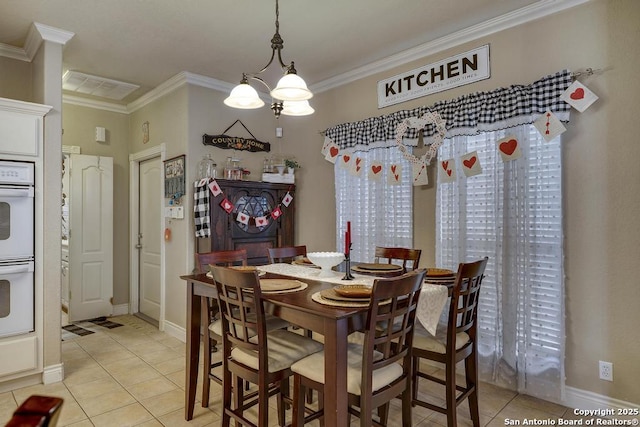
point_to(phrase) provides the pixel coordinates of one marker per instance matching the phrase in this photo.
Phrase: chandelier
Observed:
(289, 97)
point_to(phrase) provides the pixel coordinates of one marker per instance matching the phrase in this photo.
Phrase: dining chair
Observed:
(399, 254)
(286, 254)
(455, 342)
(37, 411)
(379, 369)
(211, 333)
(251, 354)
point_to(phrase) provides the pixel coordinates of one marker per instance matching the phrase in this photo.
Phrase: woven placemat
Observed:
(302, 287)
(317, 297)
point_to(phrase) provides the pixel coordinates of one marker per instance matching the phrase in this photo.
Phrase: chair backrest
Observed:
(225, 258)
(399, 254)
(242, 311)
(286, 254)
(463, 308)
(390, 323)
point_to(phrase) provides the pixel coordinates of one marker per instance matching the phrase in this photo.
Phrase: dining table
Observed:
(303, 308)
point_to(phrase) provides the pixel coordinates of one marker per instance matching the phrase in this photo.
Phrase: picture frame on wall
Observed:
(174, 183)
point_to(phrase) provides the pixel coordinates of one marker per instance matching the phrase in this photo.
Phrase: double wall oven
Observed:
(16, 247)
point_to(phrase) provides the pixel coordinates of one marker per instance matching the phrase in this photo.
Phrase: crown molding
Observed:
(39, 33)
(521, 16)
(92, 103)
(13, 52)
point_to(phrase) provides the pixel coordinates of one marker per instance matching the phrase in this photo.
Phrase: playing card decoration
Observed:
(375, 170)
(215, 188)
(325, 145)
(276, 213)
(579, 96)
(419, 173)
(345, 161)
(549, 126)
(447, 171)
(471, 164)
(394, 174)
(286, 200)
(509, 148)
(243, 218)
(332, 153)
(357, 166)
(226, 205)
(261, 221)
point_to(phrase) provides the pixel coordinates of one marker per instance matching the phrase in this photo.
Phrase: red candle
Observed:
(346, 242)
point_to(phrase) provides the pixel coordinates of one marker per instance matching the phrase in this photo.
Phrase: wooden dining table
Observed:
(298, 308)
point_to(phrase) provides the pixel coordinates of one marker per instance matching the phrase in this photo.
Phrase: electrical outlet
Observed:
(606, 370)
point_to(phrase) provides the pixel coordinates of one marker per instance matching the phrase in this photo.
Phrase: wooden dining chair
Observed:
(402, 255)
(250, 353)
(379, 369)
(457, 342)
(286, 254)
(37, 411)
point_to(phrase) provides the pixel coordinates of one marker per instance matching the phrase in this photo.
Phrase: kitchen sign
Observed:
(458, 70)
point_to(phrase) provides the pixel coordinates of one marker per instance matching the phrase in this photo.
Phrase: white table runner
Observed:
(432, 298)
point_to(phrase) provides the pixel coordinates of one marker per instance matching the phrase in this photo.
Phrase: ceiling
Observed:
(146, 42)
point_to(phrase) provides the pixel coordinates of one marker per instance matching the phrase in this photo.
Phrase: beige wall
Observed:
(79, 125)
(15, 79)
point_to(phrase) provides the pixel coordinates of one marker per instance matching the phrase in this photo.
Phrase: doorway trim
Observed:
(134, 202)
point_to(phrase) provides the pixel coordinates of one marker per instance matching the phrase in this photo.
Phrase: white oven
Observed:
(16, 247)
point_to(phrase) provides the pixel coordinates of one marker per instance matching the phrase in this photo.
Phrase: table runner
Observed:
(430, 305)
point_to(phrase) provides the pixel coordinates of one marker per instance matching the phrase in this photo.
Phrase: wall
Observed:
(601, 177)
(16, 79)
(79, 125)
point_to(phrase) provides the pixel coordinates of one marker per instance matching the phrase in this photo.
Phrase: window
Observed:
(380, 213)
(512, 213)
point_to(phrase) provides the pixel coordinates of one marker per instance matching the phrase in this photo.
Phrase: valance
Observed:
(467, 115)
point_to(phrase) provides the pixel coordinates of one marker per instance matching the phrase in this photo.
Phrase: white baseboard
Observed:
(582, 399)
(175, 331)
(121, 309)
(53, 374)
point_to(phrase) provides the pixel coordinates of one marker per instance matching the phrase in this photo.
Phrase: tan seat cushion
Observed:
(284, 349)
(273, 323)
(312, 367)
(425, 341)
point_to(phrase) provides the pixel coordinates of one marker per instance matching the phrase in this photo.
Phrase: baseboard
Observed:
(175, 331)
(53, 374)
(121, 309)
(582, 399)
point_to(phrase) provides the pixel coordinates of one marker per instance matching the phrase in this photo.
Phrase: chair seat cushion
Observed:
(312, 367)
(423, 340)
(273, 323)
(284, 349)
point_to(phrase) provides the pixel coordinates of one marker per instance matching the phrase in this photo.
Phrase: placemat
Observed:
(260, 274)
(332, 295)
(378, 267)
(317, 297)
(302, 287)
(271, 285)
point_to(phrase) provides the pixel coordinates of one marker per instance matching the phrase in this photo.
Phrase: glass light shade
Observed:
(297, 108)
(245, 97)
(291, 87)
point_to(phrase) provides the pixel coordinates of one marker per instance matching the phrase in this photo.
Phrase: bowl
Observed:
(326, 260)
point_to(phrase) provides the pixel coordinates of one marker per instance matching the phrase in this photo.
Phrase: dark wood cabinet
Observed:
(255, 199)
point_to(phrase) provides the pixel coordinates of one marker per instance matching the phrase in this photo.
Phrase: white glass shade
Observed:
(244, 96)
(297, 108)
(291, 87)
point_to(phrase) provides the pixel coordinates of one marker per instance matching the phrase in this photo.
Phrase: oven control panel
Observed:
(16, 173)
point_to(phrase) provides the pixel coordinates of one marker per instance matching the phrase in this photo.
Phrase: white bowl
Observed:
(326, 260)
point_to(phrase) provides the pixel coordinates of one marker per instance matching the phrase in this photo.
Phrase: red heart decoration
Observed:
(397, 177)
(445, 164)
(358, 168)
(470, 162)
(376, 169)
(449, 172)
(333, 151)
(358, 160)
(393, 169)
(261, 221)
(509, 147)
(346, 158)
(577, 94)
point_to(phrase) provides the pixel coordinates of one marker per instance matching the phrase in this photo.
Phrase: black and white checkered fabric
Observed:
(201, 209)
(468, 115)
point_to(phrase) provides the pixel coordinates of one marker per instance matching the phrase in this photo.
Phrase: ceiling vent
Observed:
(75, 81)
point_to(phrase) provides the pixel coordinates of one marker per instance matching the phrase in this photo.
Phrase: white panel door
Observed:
(149, 239)
(91, 237)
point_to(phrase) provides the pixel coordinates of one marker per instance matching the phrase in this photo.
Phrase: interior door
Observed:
(149, 238)
(91, 237)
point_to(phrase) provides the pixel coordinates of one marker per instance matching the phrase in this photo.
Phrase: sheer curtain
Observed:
(381, 214)
(512, 213)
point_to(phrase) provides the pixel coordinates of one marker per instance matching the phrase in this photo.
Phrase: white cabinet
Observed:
(21, 127)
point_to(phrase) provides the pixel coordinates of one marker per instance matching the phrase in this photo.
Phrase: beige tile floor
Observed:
(134, 376)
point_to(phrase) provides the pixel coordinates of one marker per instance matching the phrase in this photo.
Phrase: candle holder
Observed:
(347, 266)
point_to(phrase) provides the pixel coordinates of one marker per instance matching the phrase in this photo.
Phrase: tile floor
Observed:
(134, 376)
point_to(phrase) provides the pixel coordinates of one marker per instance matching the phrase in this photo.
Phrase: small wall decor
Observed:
(174, 185)
(145, 132)
(236, 142)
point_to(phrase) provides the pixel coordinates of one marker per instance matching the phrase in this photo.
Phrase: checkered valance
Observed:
(468, 115)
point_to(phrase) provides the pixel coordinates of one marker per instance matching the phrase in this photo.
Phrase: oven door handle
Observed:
(16, 192)
(16, 268)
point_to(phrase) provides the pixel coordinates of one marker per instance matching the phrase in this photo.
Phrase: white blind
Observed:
(512, 213)
(380, 213)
